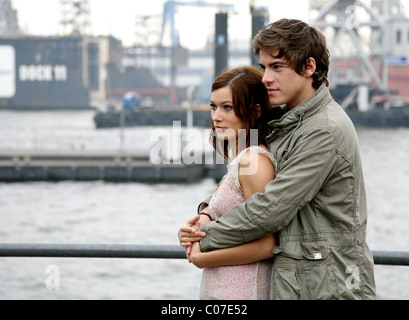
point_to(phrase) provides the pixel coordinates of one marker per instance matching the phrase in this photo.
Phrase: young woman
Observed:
(239, 104)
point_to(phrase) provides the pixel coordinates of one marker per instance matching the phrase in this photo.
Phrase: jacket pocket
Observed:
(285, 284)
(314, 250)
(310, 249)
(317, 280)
(307, 275)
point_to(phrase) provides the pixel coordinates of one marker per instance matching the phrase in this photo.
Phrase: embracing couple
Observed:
(294, 226)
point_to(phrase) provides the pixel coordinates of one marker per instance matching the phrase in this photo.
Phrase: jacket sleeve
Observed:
(303, 172)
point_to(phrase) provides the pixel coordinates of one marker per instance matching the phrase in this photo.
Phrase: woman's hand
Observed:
(196, 255)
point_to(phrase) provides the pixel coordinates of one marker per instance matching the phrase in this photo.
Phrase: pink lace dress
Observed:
(243, 282)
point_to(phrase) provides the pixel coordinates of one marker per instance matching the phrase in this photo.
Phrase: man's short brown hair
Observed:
(296, 41)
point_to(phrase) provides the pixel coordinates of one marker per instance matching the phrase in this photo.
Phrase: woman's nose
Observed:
(216, 115)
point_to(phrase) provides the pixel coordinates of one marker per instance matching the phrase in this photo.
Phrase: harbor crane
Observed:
(169, 12)
(75, 17)
(361, 65)
(178, 54)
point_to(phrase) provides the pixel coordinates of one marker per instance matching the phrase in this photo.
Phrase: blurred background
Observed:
(85, 87)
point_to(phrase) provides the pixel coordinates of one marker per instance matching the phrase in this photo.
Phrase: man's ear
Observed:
(310, 67)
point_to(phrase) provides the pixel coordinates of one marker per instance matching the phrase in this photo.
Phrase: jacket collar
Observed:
(304, 110)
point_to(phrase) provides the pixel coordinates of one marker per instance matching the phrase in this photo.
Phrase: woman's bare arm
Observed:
(246, 253)
(255, 171)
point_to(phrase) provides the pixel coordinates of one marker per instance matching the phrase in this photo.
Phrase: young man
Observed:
(316, 205)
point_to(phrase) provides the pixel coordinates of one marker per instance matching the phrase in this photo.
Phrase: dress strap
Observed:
(233, 167)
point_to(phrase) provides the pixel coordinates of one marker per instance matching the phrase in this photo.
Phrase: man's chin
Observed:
(274, 105)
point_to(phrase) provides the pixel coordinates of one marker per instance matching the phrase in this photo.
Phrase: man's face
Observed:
(283, 84)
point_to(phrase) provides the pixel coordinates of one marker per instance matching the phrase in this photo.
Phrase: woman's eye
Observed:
(227, 108)
(213, 107)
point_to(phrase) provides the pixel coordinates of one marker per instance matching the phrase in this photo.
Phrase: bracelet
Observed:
(206, 214)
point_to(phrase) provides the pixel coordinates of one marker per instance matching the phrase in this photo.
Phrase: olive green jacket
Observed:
(316, 206)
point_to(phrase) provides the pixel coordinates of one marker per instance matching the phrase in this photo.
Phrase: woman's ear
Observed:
(257, 109)
(310, 67)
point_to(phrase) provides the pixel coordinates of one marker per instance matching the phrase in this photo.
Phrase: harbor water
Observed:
(135, 213)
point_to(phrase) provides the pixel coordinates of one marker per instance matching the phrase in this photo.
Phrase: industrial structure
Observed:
(368, 40)
(8, 20)
(99, 70)
(169, 12)
(75, 18)
(369, 47)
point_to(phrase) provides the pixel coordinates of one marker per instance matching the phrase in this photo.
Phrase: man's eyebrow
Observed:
(274, 63)
(280, 61)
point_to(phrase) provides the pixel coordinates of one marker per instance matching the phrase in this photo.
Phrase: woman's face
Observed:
(225, 121)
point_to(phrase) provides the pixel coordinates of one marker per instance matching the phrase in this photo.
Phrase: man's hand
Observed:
(190, 233)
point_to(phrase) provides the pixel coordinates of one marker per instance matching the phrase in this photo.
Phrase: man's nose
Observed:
(267, 77)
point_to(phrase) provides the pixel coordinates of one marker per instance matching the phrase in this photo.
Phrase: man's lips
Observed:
(271, 90)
